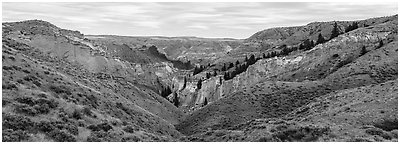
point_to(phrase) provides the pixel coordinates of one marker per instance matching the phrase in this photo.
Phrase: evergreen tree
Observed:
(252, 59)
(208, 75)
(226, 76)
(268, 55)
(184, 82)
(205, 102)
(335, 31)
(380, 44)
(176, 100)
(215, 73)
(312, 43)
(199, 84)
(237, 62)
(264, 56)
(363, 51)
(301, 47)
(230, 65)
(224, 68)
(351, 27)
(320, 39)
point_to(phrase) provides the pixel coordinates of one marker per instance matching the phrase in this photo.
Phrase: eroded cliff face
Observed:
(65, 67)
(315, 64)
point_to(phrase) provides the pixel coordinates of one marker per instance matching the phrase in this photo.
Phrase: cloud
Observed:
(209, 19)
(198, 27)
(149, 24)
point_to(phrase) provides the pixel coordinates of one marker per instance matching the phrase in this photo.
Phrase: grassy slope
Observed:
(81, 103)
(377, 66)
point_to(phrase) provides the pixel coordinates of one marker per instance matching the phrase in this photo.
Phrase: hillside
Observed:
(274, 87)
(324, 81)
(56, 87)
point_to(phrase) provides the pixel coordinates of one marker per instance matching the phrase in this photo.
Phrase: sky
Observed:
(212, 20)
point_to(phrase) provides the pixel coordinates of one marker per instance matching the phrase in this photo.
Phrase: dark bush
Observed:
(66, 126)
(42, 95)
(16, 122)
(42, 109)
(387, 124)
(50, 102)
(62, 136)
(266, 139)
(103, 126)
(81, 123)
(130, 139)
(101, 136)
(5, 102)
(32, 107)
(378, 132)
(44, 126)
(30, 78)
(7, 68)
(295, 133)
(60, 89)
(37, 83)
(10, 135)
(130, 129)
(9, 86)
(26, 100)
(16, 67)
(26, 71)
(26, 109)
(86, 110)
(96, 136)
(92, 138)
(20, 81)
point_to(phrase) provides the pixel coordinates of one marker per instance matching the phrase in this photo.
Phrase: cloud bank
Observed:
(236, 20)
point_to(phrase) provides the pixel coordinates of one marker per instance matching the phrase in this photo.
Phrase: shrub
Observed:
(16, 122)
(130, 129)
(96, 136)
(26, 109)
(86, 110)
(266, 139)
(81, 123)
(7, 68)
(101, 136)
(30, 78)
(296, 133)
(62, 136)
(44, 126)
(378, 132)
(50, 102)
(60, 89)
(37, 83)
(32, 107)
(10, 135)
(66, 126)
(131, 139)
(77, 114)
(387, 124)
(98, 127)
(9, 86)
(26, 100)
(42, 109)
(26, 71)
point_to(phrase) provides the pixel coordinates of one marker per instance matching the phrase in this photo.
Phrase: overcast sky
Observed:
(234, 20)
